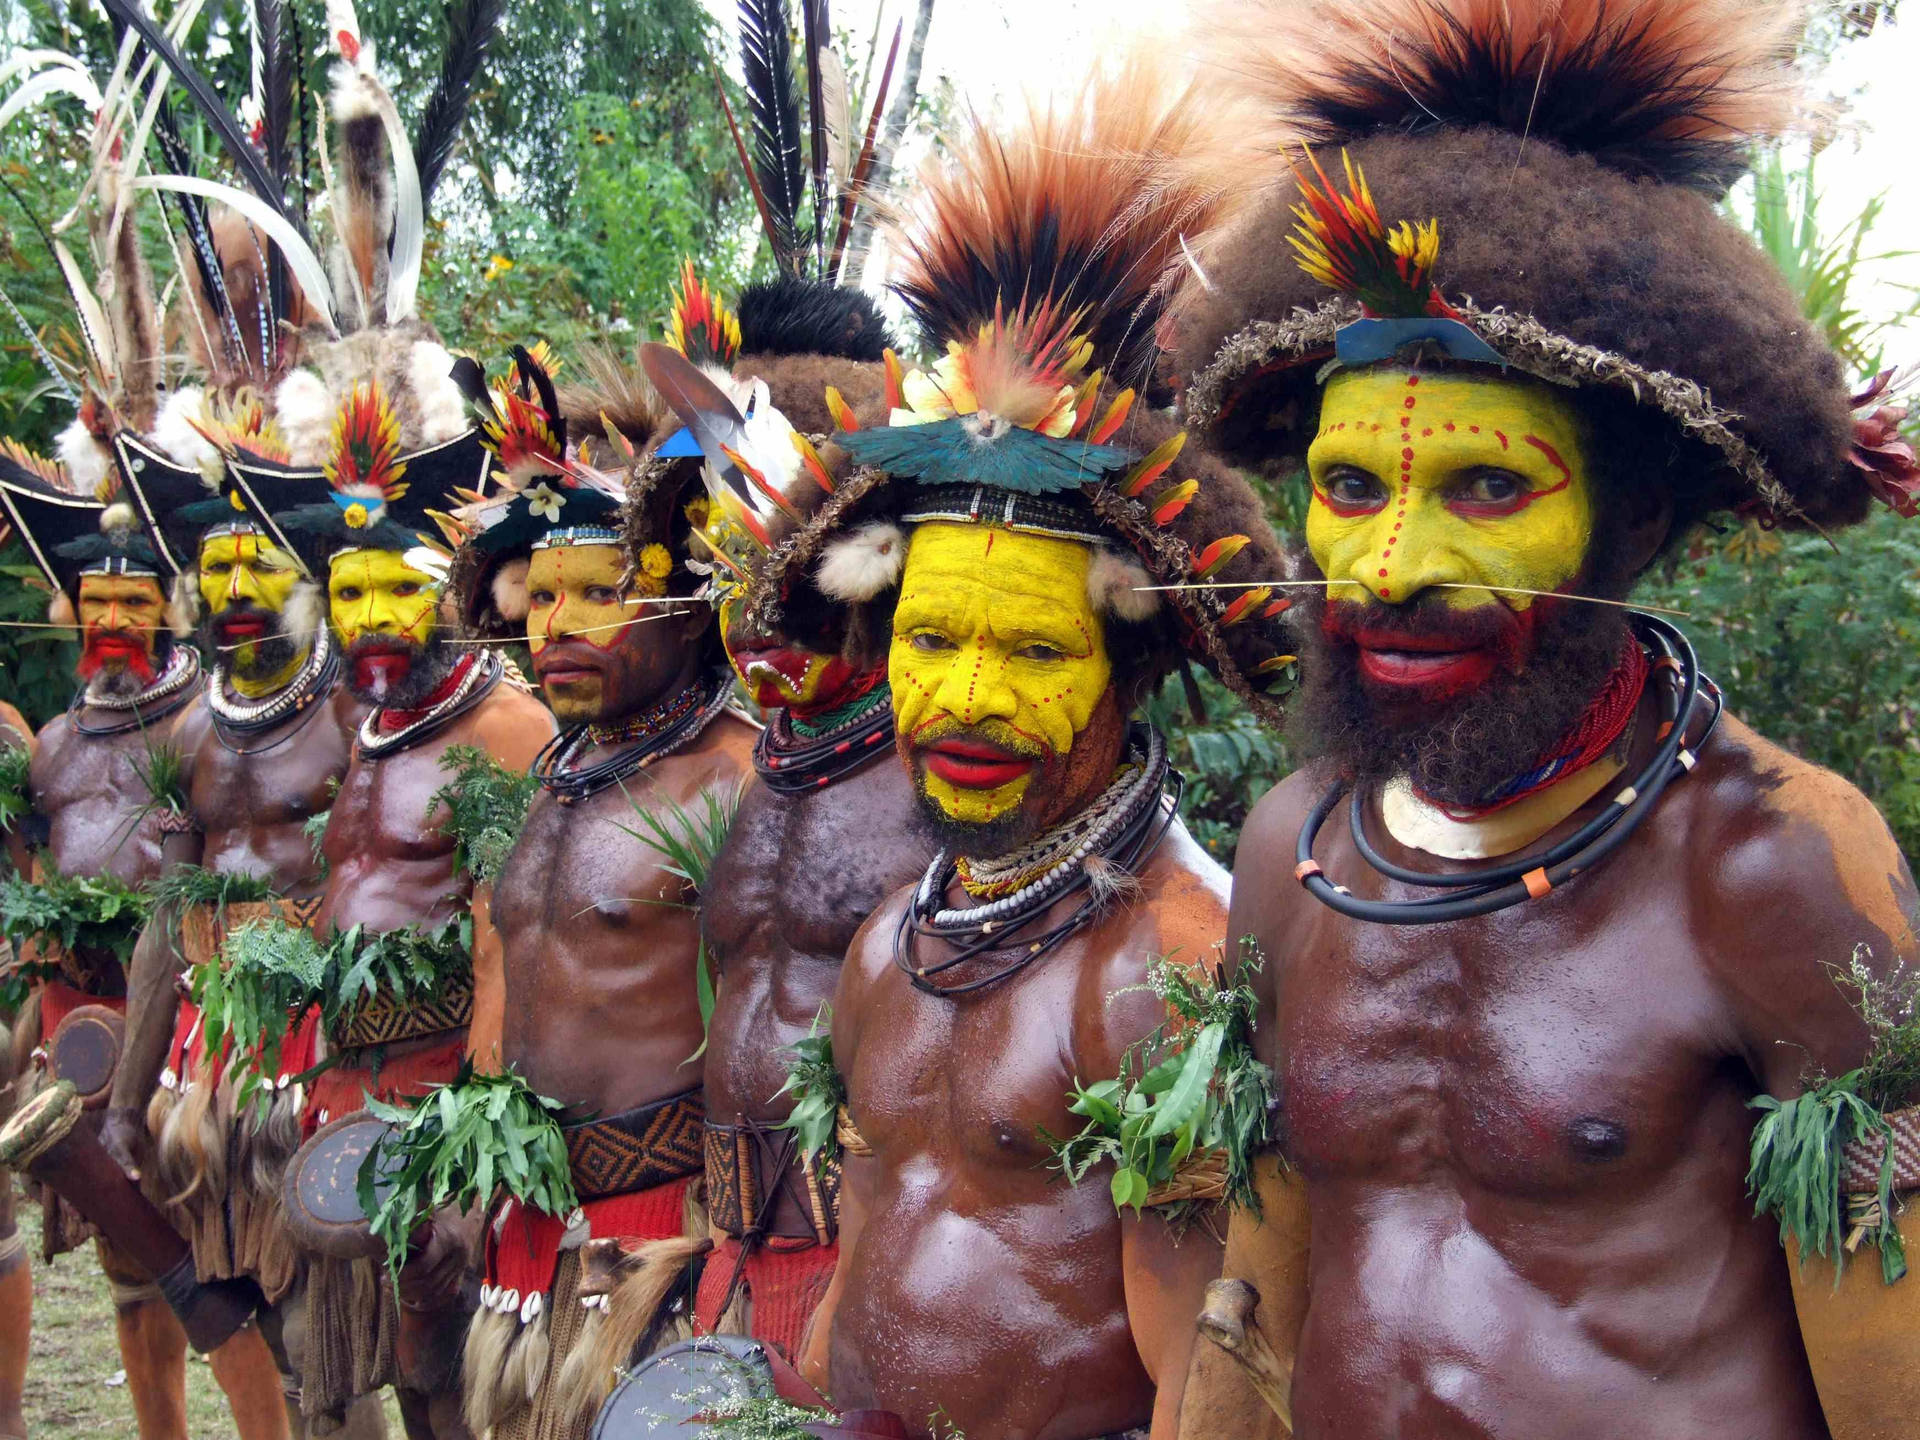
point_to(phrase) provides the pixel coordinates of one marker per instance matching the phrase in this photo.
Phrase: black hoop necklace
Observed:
(691, 711)
(1497, 887)
(168, 694)
(792, 764)
(1125, 840)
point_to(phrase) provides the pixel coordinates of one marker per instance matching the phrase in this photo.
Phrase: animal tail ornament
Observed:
(1076, 222)
(378, 194)
(1671, 90)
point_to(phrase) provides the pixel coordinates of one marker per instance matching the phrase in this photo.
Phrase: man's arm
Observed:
(512, 729)
(1267, 1250)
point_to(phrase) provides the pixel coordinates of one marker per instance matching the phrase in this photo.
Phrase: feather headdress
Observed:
(1671, 90)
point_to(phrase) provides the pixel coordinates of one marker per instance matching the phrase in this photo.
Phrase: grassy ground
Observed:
(74, 1383)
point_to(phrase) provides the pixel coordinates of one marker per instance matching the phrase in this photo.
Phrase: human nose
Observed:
(973, 687)
(1413, 550)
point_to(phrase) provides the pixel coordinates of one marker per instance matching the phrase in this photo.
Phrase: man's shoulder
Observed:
(509, 724)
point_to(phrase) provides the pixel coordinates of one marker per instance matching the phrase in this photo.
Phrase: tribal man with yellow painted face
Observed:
(1015, 520)
(598, 922)
(1543, 926)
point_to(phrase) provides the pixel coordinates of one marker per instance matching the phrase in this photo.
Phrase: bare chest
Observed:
(95, 792)
(1539, 1052)
(583, 870)
(260, 784)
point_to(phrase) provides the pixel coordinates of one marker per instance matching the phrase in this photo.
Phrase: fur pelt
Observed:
(1643, 270)
(607, 1343)
(798, 385)
(865, 564)
(406, 360)
(611, 388)
(443, 409)
(483, 1368)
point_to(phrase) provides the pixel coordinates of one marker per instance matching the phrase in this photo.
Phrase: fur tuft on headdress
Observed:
(118, 516)
(61, 610)
(88, 463)
(509, 588)
(612, 390)
(793, 316)
(365, 193)
(864, 565)
(1672, 90)
(1118, 586)
(1083, 213)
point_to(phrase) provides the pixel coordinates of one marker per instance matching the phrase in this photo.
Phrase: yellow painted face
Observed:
(120, 617)
(1443, 478)
(239, 570)
(998, 662)
(580, 630)
(376, 592)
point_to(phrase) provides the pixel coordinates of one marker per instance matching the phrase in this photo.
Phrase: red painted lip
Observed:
(566, 675)
(1419, 666)
(972, 765)
(377, 665)
(242, 629)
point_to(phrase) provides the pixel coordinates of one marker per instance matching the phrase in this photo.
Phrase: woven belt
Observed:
(638, 1150)
(384, 1018)
(744, 1165)
(1860, 1161)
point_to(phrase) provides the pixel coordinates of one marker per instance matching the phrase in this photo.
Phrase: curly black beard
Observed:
(1462, 752)
(431, 664)
(270, 654)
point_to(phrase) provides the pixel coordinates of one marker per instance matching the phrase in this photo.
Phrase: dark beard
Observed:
(430, 665)
(124, 681)
(271, 654)
(979, 842)
(1462, 751)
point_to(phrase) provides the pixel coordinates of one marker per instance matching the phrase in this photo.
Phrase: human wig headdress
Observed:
(1541, 176)
(1034, 261)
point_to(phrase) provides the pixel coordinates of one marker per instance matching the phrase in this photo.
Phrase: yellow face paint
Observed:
(1429, 479)
(997, 664)
(242, 576)
(376, 592)
(120, 617)
(245, 569)
(575, 595)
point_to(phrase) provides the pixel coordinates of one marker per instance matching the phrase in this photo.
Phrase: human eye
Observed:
(540, 597)
(347, 592)
(1352, 491)
(602, 595)
(1490, 491)
(1040, 650)
(406, 589)
(930, 642)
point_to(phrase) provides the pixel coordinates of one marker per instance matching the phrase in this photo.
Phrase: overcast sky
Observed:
(996, 50)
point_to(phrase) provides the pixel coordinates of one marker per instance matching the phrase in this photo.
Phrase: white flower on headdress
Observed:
(544, 502)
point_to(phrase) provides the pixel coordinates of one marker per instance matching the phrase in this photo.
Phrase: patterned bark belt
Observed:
(746, 1164)
(638, 1150)
(1860, 1161)
(385, 1017)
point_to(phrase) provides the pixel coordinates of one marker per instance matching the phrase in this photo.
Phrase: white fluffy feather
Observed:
(304, 407)
(174, 433)
(443, 409)
(184, 604)
(865, 564)
(88, 464)
(1116, 585)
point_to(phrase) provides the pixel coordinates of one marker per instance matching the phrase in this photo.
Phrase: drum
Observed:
(322, 1189)
(85, 1051)
(681, 1390)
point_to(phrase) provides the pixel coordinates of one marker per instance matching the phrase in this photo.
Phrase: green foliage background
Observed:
(596, 157)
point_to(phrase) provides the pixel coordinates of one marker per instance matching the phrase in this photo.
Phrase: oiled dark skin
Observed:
(798, 877)
(600, 941)
(1524, 1137)
(250, 809)
(973, 1281)
(90, 790)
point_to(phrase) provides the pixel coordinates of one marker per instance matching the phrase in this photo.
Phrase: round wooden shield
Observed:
(85, 1051)
(322, 1189)
(674, 1392)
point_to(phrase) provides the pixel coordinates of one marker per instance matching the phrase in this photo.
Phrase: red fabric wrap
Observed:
(786, 1278)
(187, 1055)
(345, 1088)
(523, 1245)
(59, 1000)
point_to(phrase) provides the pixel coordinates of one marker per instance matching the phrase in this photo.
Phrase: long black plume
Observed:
(233, 138)
(279, 59)
(773, 111)
(193, 219)
(816, 33)
(471, 26)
